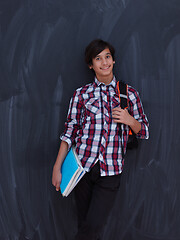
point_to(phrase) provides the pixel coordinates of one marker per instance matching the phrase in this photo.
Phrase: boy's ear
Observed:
(114, 62)
(90, 66)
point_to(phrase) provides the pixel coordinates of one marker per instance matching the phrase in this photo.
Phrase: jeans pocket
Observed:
(111, 182)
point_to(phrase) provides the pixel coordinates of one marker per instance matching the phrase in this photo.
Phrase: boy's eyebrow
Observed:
(106, 54)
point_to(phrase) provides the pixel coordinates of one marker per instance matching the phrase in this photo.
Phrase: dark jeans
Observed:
(95, 196)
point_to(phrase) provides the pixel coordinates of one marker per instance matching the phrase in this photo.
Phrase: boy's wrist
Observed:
(135, 125)
(131, 121)
(57, 166)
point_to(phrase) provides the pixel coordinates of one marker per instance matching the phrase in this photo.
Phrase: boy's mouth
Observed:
(105, 68)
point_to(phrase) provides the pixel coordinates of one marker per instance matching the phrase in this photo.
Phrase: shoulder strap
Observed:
(123, 94)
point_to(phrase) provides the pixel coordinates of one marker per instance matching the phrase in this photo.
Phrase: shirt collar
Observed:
(112, 83)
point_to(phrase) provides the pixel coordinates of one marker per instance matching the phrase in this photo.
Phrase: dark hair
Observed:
(95, 47)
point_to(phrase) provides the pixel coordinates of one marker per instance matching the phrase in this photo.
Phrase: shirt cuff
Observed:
(66, 139)
(144, 132)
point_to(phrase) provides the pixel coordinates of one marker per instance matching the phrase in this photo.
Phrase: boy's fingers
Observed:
(116, 108)
(57, 186)
(119, 110)
(117, 121)
(116, 112)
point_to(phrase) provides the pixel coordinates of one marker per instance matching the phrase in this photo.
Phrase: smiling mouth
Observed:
(105, 68)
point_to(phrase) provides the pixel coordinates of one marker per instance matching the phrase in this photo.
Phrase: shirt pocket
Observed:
(92, 107)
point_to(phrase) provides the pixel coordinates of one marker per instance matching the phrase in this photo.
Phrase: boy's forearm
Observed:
(63, 150)
(135, 125)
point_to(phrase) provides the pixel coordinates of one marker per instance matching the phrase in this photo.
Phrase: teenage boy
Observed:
(93, 123)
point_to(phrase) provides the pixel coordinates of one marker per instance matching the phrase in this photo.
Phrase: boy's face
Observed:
(102, 65)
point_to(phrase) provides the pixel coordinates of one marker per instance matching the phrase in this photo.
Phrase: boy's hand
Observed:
(56, 177)
(120, 115)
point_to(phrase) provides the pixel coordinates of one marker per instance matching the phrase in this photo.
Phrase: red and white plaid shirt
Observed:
(91, 127)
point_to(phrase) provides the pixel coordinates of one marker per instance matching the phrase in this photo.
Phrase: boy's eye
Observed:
(108, 56)
(97, 58)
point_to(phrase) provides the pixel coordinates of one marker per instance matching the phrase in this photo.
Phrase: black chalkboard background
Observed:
(41, 64)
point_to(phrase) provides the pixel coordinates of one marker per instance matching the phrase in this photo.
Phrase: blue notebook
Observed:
(72, 172)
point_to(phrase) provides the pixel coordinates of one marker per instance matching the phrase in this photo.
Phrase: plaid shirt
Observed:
(90, 126)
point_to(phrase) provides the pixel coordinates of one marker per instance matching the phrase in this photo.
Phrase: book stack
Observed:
(72, 172)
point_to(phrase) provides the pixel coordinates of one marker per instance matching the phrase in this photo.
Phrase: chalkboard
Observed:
(41, 64)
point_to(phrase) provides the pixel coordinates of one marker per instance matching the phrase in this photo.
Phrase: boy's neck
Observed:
(105, 80)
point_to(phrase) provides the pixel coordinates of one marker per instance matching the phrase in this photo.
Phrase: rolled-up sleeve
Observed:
(137, 111)
(73, 122)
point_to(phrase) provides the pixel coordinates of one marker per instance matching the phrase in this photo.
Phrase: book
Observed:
(72, 172)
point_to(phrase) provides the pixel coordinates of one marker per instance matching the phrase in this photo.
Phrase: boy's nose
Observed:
(104, 61)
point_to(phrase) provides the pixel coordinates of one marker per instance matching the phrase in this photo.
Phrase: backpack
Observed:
(123, 97)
